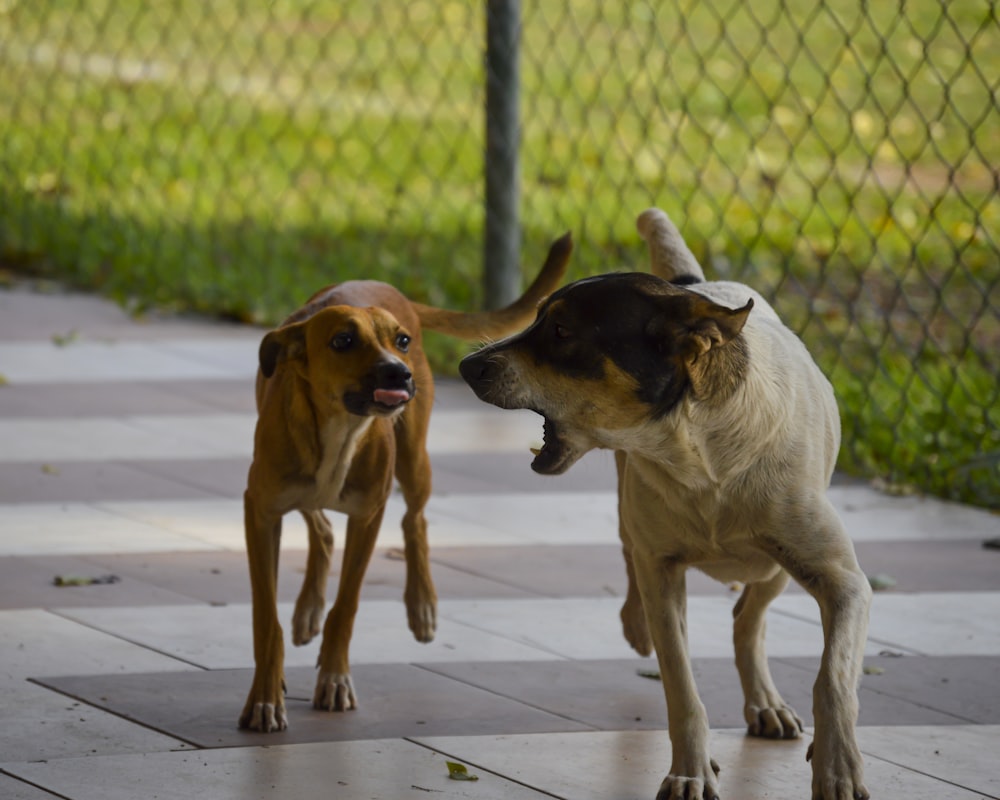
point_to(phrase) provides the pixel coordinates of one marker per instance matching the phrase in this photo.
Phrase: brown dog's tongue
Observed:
(391, 397)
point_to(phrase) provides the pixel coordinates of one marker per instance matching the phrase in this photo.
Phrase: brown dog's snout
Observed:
(392, 375)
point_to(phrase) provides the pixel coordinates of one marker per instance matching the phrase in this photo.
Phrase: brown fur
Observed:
(344, 396)
(725, 435)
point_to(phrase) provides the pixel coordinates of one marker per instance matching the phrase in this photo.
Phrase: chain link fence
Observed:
(232, 157)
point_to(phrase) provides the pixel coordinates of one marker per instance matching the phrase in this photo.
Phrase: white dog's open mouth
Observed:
(555, 456)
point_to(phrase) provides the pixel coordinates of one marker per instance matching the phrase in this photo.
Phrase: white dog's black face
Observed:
(605, 357)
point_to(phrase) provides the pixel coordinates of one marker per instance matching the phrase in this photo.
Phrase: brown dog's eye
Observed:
(403, 342)
(342, 341)
(562, 332)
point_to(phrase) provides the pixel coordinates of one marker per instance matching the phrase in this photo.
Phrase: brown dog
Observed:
(725, 433)
(344, 396)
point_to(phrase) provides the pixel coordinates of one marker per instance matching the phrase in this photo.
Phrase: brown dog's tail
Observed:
(479, 325)
(669, 255)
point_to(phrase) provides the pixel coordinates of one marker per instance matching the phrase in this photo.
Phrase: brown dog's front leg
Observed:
(265, 706)
(413, 471)
(308, 616)
(334, 688)
(693, 774)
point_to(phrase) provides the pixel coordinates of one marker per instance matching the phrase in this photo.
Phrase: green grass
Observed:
(232, 157)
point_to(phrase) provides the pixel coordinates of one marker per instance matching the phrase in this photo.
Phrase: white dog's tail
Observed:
(669, 255)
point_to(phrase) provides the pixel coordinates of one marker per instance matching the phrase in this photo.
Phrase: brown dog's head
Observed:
(605, 357)
(355, 357)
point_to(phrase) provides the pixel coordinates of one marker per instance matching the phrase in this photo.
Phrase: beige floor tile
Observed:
(86, 360)
(38, 643)
(127, 438)
(590, 627)
(39, 724)
(931, 623)
(485, 429)
(390, 770)
(63, 528)
(630, 766)
(221, 637)
(869, 515)
(965, 755)
(14, 789)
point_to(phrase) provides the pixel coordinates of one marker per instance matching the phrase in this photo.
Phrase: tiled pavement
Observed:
(123, 451)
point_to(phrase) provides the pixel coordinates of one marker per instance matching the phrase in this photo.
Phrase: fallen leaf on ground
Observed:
(459, 772)
(83, 580)
(61, 340)
(881, 582)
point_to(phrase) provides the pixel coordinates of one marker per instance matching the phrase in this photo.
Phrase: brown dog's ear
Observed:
(281, 345)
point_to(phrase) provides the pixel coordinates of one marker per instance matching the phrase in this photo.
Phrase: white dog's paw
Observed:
(334, 692)
(778, 722)
(697, 787)
(307, 621)
(634, 626)
(838, 774)
(264, 717)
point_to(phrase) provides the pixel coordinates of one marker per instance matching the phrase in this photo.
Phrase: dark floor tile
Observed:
(126, 398)
(940, 566)
(557, 570)
(30, 582)
(217, 477)
(27, 314)
(964, 687)
(395, 700)
(592, 570)
(459, 572)
(93, 482)
(214, 577)
(613, 695)
(227, 395)
(511, 472)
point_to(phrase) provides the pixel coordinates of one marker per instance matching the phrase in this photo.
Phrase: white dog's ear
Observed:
(281, 345)
(691, 325)
(711, 325)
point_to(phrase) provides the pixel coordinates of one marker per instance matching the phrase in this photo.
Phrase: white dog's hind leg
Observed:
(766, 713)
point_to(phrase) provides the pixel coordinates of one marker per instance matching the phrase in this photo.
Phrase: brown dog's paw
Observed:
(307, 621)
(334, 692)
(422, 618)
(780, 722)
(264, 717)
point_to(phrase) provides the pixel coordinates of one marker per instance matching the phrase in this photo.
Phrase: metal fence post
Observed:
(502, 240)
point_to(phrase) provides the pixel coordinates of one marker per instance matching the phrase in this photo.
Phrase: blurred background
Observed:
(232, 157)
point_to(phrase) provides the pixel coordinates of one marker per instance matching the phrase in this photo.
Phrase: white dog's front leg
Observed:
(844, 599)
(823, 561)
(693, 774)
